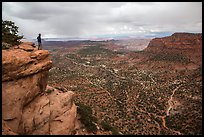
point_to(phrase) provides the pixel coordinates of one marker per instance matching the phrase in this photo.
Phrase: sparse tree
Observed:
(10, 33)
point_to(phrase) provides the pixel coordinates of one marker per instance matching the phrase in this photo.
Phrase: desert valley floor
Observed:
(133, 91)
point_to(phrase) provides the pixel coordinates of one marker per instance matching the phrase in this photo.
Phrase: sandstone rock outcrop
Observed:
(187, 44)
(52, 113)
(7, 130)
(183, 41)
(18, 63)
(29, 106)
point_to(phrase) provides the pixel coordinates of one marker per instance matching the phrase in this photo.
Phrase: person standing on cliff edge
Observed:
(39, 41)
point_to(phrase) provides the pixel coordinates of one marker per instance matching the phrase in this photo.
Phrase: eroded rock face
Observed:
(177, 41)
(18, 63)
(17, 94)
(7, 130)
(51, 113)
(26, 106)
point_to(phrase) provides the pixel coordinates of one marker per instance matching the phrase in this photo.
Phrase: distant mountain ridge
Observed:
(182, 41)
(107, 37)
(188, 45)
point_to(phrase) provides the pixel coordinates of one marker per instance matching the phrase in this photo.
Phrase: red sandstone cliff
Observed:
(187, 44)
(27, 106)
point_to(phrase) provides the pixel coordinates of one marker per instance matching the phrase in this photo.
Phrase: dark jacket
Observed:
(39, 39)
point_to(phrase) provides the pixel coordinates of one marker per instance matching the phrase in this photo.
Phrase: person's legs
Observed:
(41, 46)
(38, 45)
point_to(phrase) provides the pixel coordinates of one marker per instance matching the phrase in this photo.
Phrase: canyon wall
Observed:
(187, 44)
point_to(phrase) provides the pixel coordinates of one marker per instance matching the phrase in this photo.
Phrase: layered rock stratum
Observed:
(187, 44)
(29, 106)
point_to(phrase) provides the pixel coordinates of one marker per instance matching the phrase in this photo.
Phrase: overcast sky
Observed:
(92, 19)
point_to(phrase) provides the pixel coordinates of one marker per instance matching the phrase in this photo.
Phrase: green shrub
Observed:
(107, 127)
(10, 33)
(171, 57)
(86, 117)
(49, 91)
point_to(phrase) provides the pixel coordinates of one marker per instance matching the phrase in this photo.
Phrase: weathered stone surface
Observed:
(51, 113)
(27, 106)
(27, 46)
(17, 94)
(7, 130)
(18, 63)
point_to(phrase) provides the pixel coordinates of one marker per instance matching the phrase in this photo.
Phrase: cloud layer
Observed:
(89, 19)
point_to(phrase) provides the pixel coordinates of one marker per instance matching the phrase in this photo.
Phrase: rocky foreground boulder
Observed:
(29, 106)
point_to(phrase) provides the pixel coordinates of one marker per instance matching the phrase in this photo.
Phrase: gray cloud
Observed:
(84, 19)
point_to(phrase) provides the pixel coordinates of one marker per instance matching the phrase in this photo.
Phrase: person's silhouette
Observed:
(39, 41)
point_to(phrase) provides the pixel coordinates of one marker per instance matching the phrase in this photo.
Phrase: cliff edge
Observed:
(29, 106)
